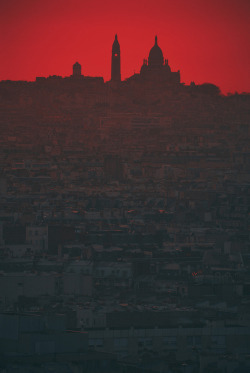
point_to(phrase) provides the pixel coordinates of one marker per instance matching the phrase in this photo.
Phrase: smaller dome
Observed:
(155, 57)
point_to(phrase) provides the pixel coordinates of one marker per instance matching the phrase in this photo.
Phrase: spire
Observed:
(116, 42)
(155, 39)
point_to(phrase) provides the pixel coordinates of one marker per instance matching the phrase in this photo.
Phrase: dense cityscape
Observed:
(124, 224)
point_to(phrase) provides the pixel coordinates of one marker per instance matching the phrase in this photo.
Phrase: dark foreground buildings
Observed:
(124, 224)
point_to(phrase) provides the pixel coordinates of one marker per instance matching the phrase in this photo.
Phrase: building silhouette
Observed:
(158, 69)
(155, 74)
(116, 61)
(77, 70)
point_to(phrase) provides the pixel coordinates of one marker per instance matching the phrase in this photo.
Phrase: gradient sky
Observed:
(207, 40)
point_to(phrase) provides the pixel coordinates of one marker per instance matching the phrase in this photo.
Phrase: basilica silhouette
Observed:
(154, 69)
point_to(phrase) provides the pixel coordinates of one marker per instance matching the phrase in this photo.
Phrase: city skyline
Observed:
(208, 43)
(124, 187)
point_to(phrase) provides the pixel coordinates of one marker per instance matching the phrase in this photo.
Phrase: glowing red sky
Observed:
(207, 40)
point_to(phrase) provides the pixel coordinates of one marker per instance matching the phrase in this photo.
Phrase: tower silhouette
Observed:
(116, 62)
(77, 69)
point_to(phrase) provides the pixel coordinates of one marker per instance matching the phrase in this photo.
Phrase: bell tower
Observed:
(116, 62)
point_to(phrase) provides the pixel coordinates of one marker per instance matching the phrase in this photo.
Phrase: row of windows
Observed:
(36, 232)
(122, 343)
(102, 273)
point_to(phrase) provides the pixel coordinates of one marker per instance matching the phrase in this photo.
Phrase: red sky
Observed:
(207, 40)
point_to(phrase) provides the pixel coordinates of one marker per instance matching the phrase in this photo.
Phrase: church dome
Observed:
(155, 57)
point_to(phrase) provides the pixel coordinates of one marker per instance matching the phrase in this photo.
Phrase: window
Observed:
(197, 340)
(91, 343)
(194, 340)
(218, 340)
(170, 340)
(99, 343)
(145, 342)
(120, 343)
(95, 343)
